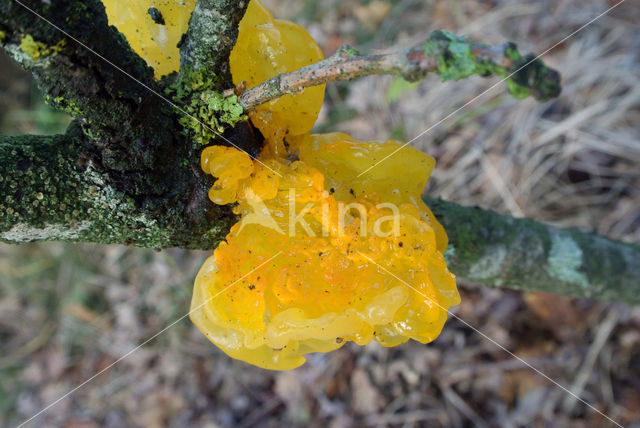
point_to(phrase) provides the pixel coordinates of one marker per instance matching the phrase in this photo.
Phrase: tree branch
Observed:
(500, 251)
(131, 177)
(213, 30)
(51, 189)
(443, 53)
(70, 76)
(55, 188)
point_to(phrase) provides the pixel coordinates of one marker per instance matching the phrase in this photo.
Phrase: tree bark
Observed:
(52, 189)
(133, 156)
(213, 30)
(443, 53)
(70, 76)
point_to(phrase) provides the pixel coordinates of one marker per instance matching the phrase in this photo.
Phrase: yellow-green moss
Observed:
(199, 96)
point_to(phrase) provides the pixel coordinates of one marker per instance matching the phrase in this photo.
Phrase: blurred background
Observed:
(67, 311)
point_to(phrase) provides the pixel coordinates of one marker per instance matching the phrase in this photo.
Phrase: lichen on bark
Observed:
(147, 188)
(213, 30)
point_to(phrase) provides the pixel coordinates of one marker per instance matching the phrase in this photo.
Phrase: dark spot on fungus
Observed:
(156, 15)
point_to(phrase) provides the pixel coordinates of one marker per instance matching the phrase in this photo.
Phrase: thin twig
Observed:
(446, 54)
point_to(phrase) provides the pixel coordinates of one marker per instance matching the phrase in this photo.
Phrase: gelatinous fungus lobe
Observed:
(357, 260)
(322, 255)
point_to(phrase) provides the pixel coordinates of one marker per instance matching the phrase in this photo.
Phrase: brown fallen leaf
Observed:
(371, 15)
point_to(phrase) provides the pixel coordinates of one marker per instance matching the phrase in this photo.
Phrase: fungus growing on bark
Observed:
(360, 263)
(322, 254)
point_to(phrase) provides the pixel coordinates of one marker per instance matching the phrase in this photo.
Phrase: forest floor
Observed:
(68, 311)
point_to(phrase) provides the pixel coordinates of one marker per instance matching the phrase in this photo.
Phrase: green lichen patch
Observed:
(37, 50)
(209, 112)
(525, 75)
(565, 260)
(490, 265)
(68, 105)
(348, 52)
(455, 60)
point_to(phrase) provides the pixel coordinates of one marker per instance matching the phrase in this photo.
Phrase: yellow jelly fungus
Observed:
(265, 48)
(357, 258)
(153, 29)
(320, 256)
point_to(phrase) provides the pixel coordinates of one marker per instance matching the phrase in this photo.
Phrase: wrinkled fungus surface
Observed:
(348, 267)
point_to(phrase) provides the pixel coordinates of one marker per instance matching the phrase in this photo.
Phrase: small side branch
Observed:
(443, 53)
(501, 251)
(213, 30)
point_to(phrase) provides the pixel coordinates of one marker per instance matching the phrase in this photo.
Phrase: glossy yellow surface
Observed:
(265, 48)
(345, 271)
(155, 43)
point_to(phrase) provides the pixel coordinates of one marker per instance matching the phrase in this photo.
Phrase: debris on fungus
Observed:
(321, 255)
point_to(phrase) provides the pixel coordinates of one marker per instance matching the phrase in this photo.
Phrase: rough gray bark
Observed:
(52, 189)
(71, 77)
(213, 30)
(131, 140)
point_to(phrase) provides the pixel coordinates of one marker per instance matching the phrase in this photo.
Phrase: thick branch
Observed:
(213, 30)
(501, 251)
(54, 188)
(443, 53)
(70, 76)
(133, 177)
